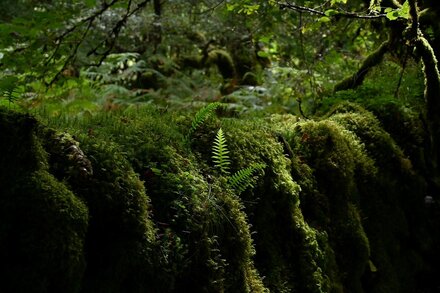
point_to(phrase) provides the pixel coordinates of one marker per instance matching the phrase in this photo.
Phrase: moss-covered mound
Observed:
(43, 224)
(202, 239)
(133, 201)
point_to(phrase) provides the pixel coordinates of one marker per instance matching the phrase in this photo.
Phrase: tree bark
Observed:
(358, 77)
(432, 88)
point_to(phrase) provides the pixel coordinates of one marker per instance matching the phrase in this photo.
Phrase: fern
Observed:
(220, 153)
(8, 88)
(202, 115)
(242, 179)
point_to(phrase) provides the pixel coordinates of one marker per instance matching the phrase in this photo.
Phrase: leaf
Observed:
(331, 12)
(392, 15)
(9, 88)
(242, 179)
(90, 3)
(202, 115)
(263, 54)
(402, 12)
(220, 153)
(333, 2)
(231, 7)
(324, 19)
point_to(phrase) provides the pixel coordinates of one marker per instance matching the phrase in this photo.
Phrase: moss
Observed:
(224, 63)
(43, 224)
(203, 239)
(121, 234)
(336, 209)
(289, 253)
(42, 236)
(372, 60)
(17, 136)
(432, 88)
(337, 158)
(392, 204)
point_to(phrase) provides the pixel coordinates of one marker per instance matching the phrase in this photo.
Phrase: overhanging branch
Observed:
(358, 77)
(108, 42)
(292, 6)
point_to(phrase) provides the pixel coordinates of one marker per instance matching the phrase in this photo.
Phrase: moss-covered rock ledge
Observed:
(127, 201)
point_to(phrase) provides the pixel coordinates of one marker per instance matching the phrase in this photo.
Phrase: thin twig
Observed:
(108, 41)
(293, 6)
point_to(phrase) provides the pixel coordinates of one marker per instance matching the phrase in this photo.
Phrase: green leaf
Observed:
(243, 179)
(263, 54)
(392, 15)
(324, 19)
(331, 12)
(220, 153)
(202, 115)
(402, 12)
(333, 2)
(231, 7)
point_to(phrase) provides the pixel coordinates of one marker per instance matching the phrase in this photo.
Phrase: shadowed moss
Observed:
(337, 160)
(289, 253)
(337, 208)
(42, 223)
(203, 240)
(392, 202)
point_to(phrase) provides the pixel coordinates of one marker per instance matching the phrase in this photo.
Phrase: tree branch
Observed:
(108, 41)
(292, 6)
(357, 78)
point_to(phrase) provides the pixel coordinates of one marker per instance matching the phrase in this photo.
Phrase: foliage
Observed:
(242, 179)
(8, 88)
(220, 152)
(202, 115)
(104, 165)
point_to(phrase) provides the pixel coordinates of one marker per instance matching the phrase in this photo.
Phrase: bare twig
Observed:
(108, 42)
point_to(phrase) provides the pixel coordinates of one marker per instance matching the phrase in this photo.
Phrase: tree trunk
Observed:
(432, 89)
(157, 25)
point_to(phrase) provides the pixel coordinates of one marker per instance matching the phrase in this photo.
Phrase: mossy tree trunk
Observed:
(416, 39)
(358, 77)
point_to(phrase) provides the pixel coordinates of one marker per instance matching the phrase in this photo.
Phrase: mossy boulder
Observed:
(338, 161)
(202, 237)
(128, 201)
(393, 205)
(43, 224)
(289, 253)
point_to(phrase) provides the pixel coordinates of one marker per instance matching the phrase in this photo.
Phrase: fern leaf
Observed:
(243, 179)
(220, 153)
(8, 88)
(202, 115)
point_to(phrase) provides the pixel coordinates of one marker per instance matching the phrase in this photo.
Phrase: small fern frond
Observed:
(8, 88)
(220, 153)
(243, 179)
(202, 115)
